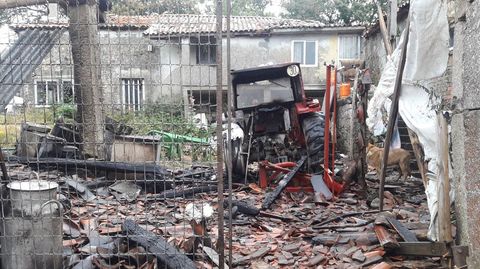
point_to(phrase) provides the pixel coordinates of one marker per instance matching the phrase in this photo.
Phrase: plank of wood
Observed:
(385, 238)
(421, 249)
(444, 222)
(167, 255)
(272, 196)
(176, 193)
(419, 155)
(393, 112)
(404, 233)
(343, 238)
(245, 208)
(383, 30)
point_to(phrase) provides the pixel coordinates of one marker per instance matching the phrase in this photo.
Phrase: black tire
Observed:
(314, 131)
(238, 159)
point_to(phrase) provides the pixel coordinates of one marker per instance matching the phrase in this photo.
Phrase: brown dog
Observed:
(397, 157)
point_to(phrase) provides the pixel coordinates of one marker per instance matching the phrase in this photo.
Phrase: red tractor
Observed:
(275, 121)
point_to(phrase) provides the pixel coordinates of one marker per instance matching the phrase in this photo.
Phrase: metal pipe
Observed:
(327, 123)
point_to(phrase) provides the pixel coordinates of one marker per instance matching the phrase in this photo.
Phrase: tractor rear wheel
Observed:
(314, 132)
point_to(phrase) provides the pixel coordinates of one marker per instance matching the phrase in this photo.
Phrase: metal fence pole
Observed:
(219, 91)
(229, 135)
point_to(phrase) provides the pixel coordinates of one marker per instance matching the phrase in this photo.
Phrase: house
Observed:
(171, 58)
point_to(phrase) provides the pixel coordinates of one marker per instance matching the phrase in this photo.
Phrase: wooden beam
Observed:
(167, 255)
(423, 249)
(404, 233)
(383, 30)
(419, 155)
(393, 112)
(272, 196)
(444, 223)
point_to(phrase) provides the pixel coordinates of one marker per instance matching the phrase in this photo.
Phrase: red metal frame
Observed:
(331, 87)
(301, 182)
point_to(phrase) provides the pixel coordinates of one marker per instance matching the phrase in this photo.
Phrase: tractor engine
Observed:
(270, 140)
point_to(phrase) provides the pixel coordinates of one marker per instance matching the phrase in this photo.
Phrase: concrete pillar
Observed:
(466, 127)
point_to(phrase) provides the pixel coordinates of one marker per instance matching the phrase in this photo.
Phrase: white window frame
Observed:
(292, 50)
(359, 44)
(130, 106)
(59, 95)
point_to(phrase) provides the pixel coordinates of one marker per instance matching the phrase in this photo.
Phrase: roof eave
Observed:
(285, 31)
(321, 30)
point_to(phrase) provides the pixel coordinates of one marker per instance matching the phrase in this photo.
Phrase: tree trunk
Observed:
(88, 85)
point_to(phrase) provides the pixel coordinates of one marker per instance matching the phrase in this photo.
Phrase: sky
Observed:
(275, 8)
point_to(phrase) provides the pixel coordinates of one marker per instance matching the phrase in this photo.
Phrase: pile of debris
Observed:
(127, 224)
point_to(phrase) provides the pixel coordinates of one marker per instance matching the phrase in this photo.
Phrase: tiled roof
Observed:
(121, 21)
(171, 24)
(177, 24)
(182, 24)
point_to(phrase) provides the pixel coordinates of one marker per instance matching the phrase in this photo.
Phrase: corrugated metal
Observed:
(22, 58)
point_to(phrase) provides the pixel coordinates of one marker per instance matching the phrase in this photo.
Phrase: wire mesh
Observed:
(109, 138)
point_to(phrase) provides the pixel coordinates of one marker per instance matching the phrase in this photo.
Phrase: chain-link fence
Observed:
(114, 125)
(108, 137)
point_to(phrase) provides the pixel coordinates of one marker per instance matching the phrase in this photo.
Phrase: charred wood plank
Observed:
(185, 192)
(245, 208)
(272, 196)
(343, 238)
(422, 249)
(404, 233)
(94, 164)
(385, 238)
(167, 255)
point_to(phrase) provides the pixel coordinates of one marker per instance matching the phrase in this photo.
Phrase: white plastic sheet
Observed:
(427, 57)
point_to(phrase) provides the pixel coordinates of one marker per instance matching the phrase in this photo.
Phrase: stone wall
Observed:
(466, 126)
(375, 54)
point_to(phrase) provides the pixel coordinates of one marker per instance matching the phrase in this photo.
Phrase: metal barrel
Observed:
(32, 226)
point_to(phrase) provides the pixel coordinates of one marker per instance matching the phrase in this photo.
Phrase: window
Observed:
(264, 92)
(205, 49)
(305, 52)
(349, 47)
(133, 94)
(49, 92)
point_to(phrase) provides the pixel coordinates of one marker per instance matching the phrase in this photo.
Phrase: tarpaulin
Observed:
(426, 59)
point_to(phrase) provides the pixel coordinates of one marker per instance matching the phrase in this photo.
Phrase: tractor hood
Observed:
(261, 86)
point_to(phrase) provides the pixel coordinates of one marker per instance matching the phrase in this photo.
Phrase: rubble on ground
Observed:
(295, 232)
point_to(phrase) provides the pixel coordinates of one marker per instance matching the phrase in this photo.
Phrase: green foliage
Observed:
(248, 7)
(67, 111)
(167, 118)
(146, 7)
(333, 12)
